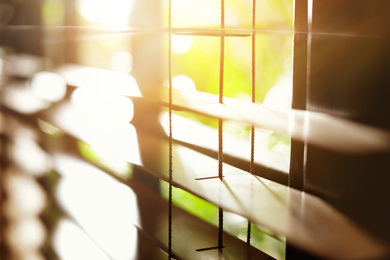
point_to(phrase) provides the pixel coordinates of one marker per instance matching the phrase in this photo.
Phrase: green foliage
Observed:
(273, 53)
(53, 12)
(195, 205)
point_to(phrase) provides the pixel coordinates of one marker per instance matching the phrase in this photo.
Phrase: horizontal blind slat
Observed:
(319, 129)
(305, 220)
(155, 229)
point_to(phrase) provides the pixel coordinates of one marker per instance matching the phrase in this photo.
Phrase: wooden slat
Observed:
(191, 233)
(270, 165)
(306, 221)
(319, 129)
(151, 233)
(298, 216)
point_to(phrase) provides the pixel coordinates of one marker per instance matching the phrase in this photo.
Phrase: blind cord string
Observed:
(220, 121)
(252, 164)
(170, 129)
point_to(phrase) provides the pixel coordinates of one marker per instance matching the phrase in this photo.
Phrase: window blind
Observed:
(286, 195)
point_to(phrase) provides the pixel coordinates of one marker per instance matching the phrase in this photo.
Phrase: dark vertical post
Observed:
(350, 62)
(299, 88)
(297, 151)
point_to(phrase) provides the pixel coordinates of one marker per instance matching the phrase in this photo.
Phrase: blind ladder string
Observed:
(170, 128)
(220, 121)
(252, 164)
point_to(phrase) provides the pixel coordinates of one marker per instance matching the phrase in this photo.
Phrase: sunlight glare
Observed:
(100, 107)
(101, 80)
(181, 43)
(20, 97)
(189, 13)
(48, 86)
(70, 243)
(310, 12)
(106, 12)
(103, 207)
(182, 82)
(122, 61)
(280, 95)
(119, 140)
(121, 143)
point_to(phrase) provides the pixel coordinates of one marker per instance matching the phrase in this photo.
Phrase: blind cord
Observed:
(220, 121)
(252, 164)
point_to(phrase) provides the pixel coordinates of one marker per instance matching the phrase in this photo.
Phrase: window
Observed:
(249, 136)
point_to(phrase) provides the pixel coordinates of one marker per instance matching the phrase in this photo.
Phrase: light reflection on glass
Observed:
(48, 86)
(104, 208)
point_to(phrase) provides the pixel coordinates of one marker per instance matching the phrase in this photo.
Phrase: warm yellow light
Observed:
(106, 12)
(199, 13)
(182, 82)
(181, 43)
(122, 61)
(108, 110)
(104, 208)
(48, 86)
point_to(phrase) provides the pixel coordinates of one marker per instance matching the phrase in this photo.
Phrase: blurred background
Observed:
(67, 68)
